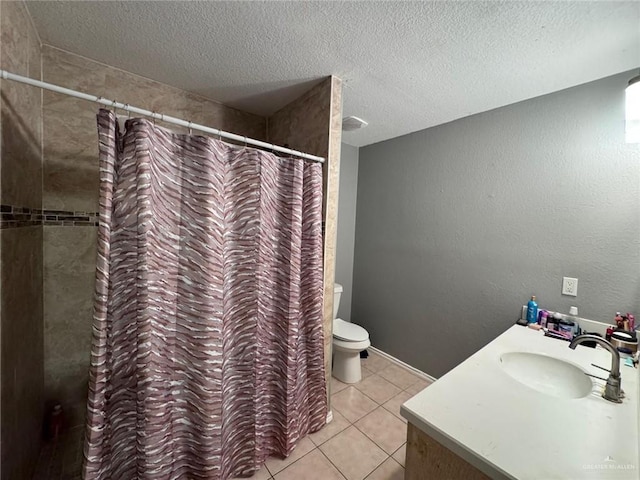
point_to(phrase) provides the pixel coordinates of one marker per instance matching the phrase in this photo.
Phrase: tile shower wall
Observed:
(21, 262)
(313, 124)
(70, 202)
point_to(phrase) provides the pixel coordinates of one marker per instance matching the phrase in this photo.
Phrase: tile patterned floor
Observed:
(365, 440)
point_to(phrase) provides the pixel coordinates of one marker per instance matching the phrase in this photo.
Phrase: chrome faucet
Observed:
(612, 391)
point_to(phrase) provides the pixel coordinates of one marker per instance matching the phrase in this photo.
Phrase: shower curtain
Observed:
(207, 351)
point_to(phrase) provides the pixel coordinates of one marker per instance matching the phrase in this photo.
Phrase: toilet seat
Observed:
(349, 332)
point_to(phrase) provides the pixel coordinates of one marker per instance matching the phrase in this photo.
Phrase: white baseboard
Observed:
(329, 416)
(400, 363)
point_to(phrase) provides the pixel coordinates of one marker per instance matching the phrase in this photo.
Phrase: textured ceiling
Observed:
(406, 66)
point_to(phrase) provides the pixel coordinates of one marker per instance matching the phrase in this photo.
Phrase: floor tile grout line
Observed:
(396, 451)
(364, 414)
(353, 424)
(404, 369)
(274, 474)
(354, 386)
(379, 404)
(375, 443)
(374, 468)
(334, 435)
(334, 465)
(388, 458)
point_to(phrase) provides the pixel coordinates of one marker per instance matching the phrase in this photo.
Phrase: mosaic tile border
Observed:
(12, 216)
(16, 217)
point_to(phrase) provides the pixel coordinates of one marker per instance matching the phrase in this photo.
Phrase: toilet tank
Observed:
(337, 293)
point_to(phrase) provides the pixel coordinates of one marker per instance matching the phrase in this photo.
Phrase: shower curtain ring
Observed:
(245, 142)
(190, 131)
(126, 107)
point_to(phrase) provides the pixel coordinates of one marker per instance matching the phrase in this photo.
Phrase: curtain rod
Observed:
(159, 116)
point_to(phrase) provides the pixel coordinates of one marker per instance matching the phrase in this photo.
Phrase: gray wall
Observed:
(346, 226)
(459, 224)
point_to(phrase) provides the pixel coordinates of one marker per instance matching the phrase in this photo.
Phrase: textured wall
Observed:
(21, 330)
(313, 124)
(459, 224)
(346, 226)
(70, 199)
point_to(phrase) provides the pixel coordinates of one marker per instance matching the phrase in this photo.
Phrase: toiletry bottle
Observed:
(567, 327)
(551, 322)
(573, 313)
(632, 322)
(543, 318)
(532, 310)
(618, 320)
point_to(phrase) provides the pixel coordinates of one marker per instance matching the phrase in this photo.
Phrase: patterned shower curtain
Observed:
(207, 351)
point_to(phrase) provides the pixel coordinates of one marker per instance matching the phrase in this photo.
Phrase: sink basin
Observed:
(548, 375)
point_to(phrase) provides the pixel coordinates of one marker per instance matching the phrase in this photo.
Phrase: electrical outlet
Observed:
(570, 286)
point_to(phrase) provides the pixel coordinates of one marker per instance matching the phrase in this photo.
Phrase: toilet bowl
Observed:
(349, 340)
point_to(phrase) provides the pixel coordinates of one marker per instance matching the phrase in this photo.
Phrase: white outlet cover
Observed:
(570, 286)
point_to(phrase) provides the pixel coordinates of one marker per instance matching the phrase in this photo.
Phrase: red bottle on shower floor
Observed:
(55, 422)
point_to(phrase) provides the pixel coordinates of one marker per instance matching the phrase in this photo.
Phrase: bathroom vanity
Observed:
(523, 408)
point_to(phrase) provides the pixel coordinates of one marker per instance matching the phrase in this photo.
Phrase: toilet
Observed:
(349, 340)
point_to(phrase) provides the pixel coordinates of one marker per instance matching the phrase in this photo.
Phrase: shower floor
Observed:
(61, 459)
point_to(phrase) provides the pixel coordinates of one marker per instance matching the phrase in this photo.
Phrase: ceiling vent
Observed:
(353, 123)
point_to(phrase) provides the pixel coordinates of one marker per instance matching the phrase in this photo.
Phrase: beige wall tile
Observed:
(231, 120)
(71, 174)
(14, 34)
(21, 264)
(21, 110)
(21, 346)
(69, 262)
(332, 172)
(72, 71)
(21, 146)
(304, 124)
(70, 138)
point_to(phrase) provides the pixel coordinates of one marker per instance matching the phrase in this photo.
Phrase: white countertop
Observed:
(509, 430)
